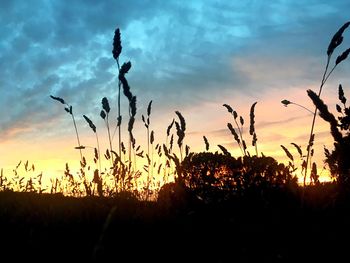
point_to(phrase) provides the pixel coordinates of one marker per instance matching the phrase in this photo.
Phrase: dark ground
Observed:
(54, 228)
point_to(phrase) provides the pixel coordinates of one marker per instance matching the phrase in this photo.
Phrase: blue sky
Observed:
(185, 55)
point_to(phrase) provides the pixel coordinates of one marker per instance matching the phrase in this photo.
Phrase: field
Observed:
(123, 229)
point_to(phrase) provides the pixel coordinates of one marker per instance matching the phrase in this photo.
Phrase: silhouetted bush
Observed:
(217, 177)
(174, 195)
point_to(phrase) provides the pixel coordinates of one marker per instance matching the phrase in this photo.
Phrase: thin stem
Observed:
(180, 154)
(152, 160)
(241, 136)
(109, 138)
(319, 94)
(149, 162)
(130, 160)
(130, 142)
(165, 164)
(119, 116)
(309, 145)
(98, 149)
(76, 132)
(325, 72)
(135, 163)
(148, 138)
(302, 107)
(324, 79)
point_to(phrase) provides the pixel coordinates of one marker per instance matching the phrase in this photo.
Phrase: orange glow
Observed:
(275, 125)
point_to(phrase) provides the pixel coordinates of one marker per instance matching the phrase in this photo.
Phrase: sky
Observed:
(187, 56)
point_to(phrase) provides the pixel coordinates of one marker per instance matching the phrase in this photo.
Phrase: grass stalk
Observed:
(334, 43)
(109, 137)
(77, 134)
(99, 153)
(119, 116)
(311, 137)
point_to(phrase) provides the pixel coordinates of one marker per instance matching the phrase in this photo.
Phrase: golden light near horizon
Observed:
(279, 129)
(275, 125)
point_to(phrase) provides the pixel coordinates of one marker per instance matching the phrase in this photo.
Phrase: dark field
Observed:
(57, 228)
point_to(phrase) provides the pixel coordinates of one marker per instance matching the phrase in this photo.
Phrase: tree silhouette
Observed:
(214, 176)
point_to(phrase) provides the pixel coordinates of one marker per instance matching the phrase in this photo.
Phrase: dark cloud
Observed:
(182, 53)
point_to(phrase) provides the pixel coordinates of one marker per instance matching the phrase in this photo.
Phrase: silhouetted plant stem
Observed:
(93, 127)
(119, 116)
(302, 107)
(135, 158)
(76, 132)
(325, 72)
(148, 160)
(252, 131)
(130, 149)
(238, 139)
(148, 139)
(287, 102)
(69, 110)
(152, 160)
(99, 154)
(132, 140)
(147, 122)
(180, 130)
(116, 51)
(181, 158)
(166, 166)
(105, 116)
(311, 137)
(167, 146)
(239, 131)
(109, 137)
(328, 77)
(334, 43)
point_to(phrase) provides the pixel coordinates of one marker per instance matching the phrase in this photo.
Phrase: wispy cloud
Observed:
(182, 53)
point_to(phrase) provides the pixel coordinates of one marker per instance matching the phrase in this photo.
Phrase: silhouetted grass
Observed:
(334, 43)
(125, 175)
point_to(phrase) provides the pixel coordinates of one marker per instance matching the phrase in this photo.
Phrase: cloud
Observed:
(182, 53)
(259, 125)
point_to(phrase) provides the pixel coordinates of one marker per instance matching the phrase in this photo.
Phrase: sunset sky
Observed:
(190, 56)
